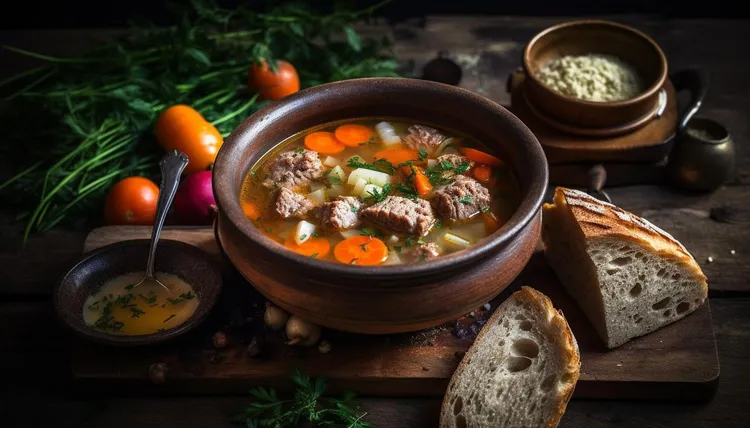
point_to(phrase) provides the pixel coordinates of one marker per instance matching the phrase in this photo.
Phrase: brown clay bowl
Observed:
(600, 37)
(381, 299)
(186, 261)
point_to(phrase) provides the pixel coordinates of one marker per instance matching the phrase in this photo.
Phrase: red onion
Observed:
(194, 201)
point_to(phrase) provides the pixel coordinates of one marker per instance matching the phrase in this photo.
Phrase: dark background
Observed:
(117, 13)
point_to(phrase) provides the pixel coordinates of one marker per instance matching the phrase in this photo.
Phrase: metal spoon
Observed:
(172, 165)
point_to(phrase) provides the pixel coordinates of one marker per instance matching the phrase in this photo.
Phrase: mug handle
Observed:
(694, 81)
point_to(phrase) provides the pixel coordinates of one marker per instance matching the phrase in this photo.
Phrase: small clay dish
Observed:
(590, 36)
(186, 261)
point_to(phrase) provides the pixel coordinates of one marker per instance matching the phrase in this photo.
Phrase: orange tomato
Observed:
(272, 85)
(182, 128)
(132, 200)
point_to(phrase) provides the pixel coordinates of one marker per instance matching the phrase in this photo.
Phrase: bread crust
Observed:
(601, 219)
(560, 328)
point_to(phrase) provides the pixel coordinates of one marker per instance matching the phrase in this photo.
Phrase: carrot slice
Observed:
(251, 210)
(398, 155)
(480, 156)
(353, 135)
(313, 247)
(422, 183)
(361, 250)
(483, 173)
(491, 222)
(323, 142)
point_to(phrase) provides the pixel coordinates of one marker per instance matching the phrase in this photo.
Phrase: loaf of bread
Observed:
(628, 276)
(519, 373)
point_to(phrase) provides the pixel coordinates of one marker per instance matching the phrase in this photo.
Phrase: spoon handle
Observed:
(172, 165)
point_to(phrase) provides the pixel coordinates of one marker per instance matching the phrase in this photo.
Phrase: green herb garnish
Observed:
(380, 195)
(169, 318)
(151, 298)
(125, 300)
(303, 236)
(314, 255)
(136, 313)
(366, 231)
(422, 153)
(307, 407)
(409, 241)
(334, 180)
(380, 165)
(187, 296)
(299, 150)
(107, 321)
(407, 190)
(438, 224)
(462, 167)
(397, 248)
(466, 200)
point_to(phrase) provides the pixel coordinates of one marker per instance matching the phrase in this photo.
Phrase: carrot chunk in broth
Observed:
(398, 155)
(361, 250)
(479, 156)
(323, 142)
(313, 247)
(354, 135)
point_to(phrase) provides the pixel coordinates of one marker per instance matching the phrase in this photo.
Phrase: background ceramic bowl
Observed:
(598, 37)
(381, 299)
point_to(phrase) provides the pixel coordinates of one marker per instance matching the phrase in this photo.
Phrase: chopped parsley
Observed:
(299, 150)
(438, 224)
(485, 210)
(446, 165)
(136, 313)
(397, 248)
(315, 234)
(107, 321)
(422, 153)
(303, 237)
(181, 298)
(366, 231)
(334, 180)
(129, 287)
(409, 241)
(420, 241)
(407, 190)
(465, 200)
(314, 255)
(150, 298)
(353, 208)
(462, 167)
(187, 296)
(380, 195)
(169, 318)
(380, 165)
(125, 301)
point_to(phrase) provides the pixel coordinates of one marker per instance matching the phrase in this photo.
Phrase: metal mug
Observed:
(703, 157)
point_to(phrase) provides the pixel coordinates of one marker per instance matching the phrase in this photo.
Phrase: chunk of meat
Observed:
(454, 161)
(423, 137)
(291, 204)
(294, 168)
(401, 215)
(463, 198)
(339, 214)
(426, 251)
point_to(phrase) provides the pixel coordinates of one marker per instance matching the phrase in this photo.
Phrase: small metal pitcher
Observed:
(703, 156)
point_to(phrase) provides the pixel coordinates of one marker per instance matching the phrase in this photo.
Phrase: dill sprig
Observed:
(307, 405)
(76, 125)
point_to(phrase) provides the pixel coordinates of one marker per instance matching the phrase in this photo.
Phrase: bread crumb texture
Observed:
(519, 373)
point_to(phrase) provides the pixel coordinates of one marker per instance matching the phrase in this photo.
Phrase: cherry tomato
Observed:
(132, 200)
(182, 128)
(273, 86)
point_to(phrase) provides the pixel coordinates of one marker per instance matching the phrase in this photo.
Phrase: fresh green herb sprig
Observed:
(308, 405)
(76, 125)
(380, 165)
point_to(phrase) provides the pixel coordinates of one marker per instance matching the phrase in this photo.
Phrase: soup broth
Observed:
(379, 192)
(118, 307)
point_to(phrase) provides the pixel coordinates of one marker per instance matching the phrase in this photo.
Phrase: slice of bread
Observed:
(519, 373)
(629, 277)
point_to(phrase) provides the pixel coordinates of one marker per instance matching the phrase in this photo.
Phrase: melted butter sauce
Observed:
(118, 307)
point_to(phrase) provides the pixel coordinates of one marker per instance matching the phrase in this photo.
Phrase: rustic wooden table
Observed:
(33, 364)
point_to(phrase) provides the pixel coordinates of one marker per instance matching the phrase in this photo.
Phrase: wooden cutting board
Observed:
(678, 362)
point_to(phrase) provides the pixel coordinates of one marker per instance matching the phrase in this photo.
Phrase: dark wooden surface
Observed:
(33, 364)
(676, 362)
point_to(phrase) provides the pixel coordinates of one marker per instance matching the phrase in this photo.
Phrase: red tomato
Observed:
(273, 86)
(132, 200)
